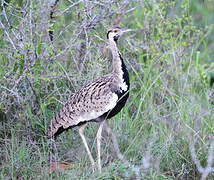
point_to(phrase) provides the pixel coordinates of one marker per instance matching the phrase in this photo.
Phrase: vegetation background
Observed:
(51, 48)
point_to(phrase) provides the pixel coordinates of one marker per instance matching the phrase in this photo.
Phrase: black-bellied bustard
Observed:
(97, 101)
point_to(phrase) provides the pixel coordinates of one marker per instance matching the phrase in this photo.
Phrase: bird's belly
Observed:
(120, 104)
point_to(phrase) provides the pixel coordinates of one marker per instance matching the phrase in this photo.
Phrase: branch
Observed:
(52, 11)
(205, 171)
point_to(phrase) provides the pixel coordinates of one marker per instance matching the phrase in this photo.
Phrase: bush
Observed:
(50, 49)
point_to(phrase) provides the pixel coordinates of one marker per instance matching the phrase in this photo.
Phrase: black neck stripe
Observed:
(125, 71)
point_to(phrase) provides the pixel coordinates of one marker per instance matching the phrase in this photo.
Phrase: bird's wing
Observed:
(89, 103)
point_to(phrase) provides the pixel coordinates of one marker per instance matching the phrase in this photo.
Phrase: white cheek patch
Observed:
(111, 35)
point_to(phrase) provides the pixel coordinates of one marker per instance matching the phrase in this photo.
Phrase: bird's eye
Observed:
(115, 31)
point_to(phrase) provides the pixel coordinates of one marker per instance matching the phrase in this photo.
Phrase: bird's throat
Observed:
(119, 67)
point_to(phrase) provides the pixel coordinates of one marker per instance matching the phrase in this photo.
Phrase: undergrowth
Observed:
(167, 126)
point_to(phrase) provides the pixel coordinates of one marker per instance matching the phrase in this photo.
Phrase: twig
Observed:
(116, 146)
(34, 92)
(53, 9)
(208, 169)
(11, 91)
(69, 7)
(137, 169)
(8, 36)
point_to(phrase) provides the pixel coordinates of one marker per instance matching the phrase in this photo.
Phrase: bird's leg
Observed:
(81, 132)
(99, 136)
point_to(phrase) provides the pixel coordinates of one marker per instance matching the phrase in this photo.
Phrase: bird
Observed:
(97, 101)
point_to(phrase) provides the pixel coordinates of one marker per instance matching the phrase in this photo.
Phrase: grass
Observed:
(168, 118)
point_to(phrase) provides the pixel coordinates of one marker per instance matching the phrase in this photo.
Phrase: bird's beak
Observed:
(124, 31)
(127, 30)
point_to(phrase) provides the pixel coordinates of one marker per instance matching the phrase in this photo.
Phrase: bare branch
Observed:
(8, 36)
(208, 169)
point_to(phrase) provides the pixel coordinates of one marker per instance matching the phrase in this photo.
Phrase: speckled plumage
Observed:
(95, 100)
(88, 104)
(99, 100)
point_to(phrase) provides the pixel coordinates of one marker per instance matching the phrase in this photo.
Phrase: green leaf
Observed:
(39, 48)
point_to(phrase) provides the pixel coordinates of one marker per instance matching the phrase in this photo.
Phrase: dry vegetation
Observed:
(51, 48)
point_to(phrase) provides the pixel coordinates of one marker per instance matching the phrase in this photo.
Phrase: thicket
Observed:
(49, 49)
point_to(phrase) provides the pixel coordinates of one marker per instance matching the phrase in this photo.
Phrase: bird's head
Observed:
(116, 32)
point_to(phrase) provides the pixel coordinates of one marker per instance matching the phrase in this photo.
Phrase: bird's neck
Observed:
(119, 67)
